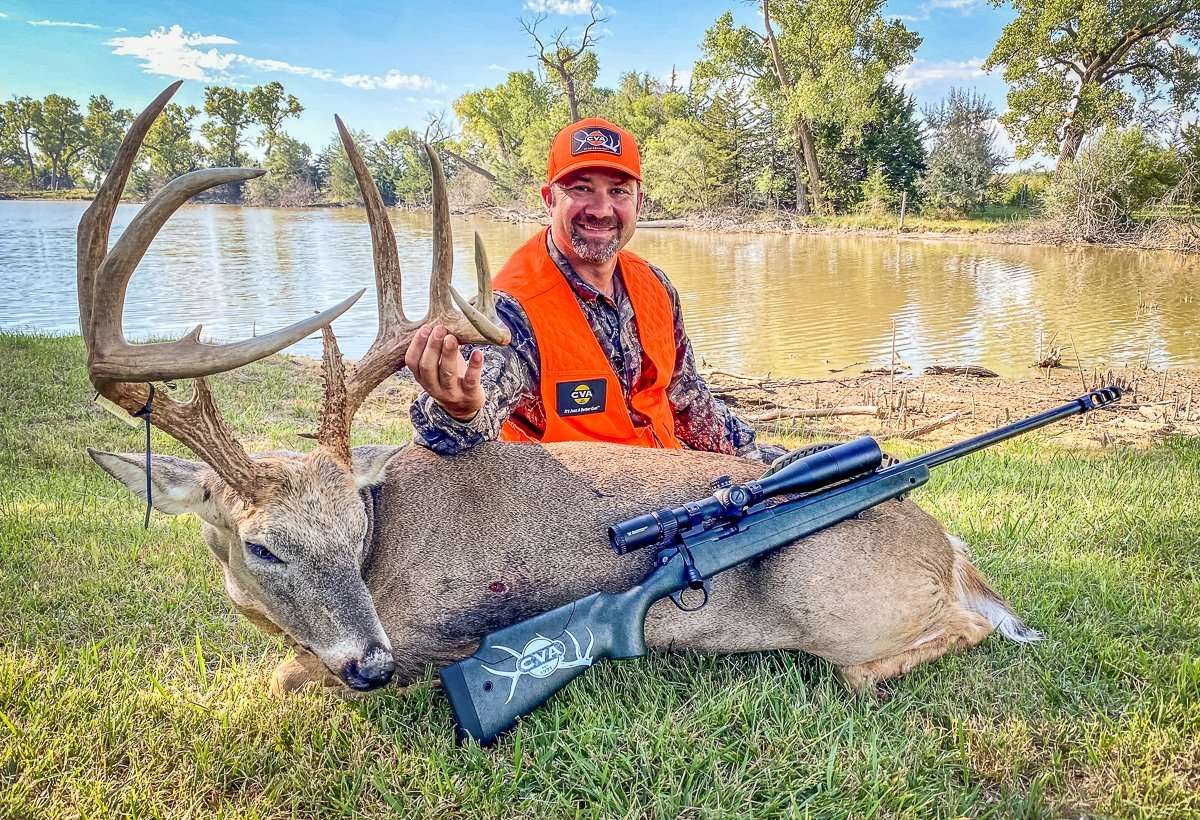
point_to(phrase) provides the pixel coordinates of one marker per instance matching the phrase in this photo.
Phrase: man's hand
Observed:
(439, 368)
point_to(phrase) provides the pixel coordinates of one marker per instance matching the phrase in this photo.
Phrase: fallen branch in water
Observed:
(797, 413)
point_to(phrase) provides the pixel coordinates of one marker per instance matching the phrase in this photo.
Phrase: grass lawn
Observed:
(129, 687)
(990, 219)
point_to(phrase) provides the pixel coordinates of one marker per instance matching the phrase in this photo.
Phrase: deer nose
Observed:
(374, 669)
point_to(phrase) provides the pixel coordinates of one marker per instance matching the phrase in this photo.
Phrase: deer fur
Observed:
(418, 556)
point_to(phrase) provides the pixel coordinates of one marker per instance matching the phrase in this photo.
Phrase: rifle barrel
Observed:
(1092, 400)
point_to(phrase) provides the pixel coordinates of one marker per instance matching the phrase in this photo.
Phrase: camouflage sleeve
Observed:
(509, 373)
(702, 421)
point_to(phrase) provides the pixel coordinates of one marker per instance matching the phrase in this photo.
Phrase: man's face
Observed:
(593, 213)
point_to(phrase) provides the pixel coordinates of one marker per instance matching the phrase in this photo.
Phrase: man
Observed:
(599, 351)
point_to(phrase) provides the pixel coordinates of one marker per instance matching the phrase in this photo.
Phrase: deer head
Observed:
(290, 530)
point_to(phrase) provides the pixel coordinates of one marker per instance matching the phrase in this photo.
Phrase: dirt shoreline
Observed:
(932, 410)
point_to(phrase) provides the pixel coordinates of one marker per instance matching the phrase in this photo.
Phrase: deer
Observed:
(375, 562)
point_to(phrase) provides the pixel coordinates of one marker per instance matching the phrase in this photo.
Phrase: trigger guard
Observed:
(677, 598)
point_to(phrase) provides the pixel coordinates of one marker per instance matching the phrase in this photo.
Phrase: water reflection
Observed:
(790, 305)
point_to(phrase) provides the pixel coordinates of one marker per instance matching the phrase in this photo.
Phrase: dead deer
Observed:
(378, 561)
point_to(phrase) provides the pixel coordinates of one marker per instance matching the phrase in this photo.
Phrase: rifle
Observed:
(518, 668)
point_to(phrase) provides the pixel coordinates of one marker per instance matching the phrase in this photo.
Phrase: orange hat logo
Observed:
(595, 139)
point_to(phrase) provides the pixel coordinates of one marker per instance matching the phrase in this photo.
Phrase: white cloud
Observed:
(562, 6)
(61, 23)
(2, 14)
(953, 4)
(172, 53)
(923, 72)
(175, 53)
(496, 67)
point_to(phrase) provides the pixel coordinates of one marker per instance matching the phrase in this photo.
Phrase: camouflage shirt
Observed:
(512, 375)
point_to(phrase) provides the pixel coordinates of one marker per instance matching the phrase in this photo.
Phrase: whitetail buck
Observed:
(379, 561)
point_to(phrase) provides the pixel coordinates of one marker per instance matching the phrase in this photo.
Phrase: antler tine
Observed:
(116, 367)
(388, 287)
(114, 359)
(92, 238)
(443, 240)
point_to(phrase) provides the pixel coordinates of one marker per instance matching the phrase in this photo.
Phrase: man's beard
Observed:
(596, 251)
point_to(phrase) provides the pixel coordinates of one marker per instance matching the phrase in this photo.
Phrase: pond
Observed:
(789, 305)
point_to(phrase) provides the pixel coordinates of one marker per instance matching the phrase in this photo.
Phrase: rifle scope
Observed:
(817, 470)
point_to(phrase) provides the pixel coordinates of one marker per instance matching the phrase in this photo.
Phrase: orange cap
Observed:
(593, 143)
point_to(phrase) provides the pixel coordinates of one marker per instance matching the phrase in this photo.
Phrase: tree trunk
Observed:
(801, 188)
(804, 133)
(29, 159)
(571, 100)
(1069, 147)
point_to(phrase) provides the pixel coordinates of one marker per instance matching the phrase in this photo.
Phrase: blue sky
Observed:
(385, 65)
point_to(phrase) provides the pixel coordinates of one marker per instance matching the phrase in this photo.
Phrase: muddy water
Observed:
(789, 305)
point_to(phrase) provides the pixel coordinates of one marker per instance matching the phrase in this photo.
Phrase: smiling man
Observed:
(599, 351)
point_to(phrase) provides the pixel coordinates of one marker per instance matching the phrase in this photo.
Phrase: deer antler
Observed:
(119, 370)
(344, 393)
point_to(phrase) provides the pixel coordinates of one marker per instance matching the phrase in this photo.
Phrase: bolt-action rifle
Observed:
(519, 667)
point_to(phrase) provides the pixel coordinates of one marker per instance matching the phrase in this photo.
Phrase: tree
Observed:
(104, 128)
(290, 177)
(642, 105)
(963, 157)
(398, 163)
(680, 168)
(269, 107)
(826, 63)
(498, 122)
(1072, 66)
(574, 68)
(21, 115)
(58, 133)
(169, 144)
(892, 143)
(230, 112)
(335, 172)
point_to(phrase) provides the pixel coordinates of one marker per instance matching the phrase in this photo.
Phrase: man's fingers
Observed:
(450, 364)
(427, 368)
(470, 379)
(412, 356)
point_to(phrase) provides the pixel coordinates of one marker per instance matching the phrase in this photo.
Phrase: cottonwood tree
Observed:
(1075, 65)
(574, 67)
(230, 114)
(169, 144)
(104, 127)
(497, 124)
(825, 62)
(290, 177)
(20, 117)
(269, 106)
(59, 135)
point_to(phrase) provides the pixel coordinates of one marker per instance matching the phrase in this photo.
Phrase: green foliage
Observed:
(1074, 66)
(1023, 189)
(230, 115)
(643, 105)
(498, 123)
(680, 168)
(104, 128)
(1110, 178)
(400, 168)
(269, 107)
(169, 144)
(877, 195)
(891, 142)
(963, 157)
(59, 135)
(290, 177)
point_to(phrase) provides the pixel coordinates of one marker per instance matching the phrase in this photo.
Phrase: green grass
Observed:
(991, 219)
(128, 685)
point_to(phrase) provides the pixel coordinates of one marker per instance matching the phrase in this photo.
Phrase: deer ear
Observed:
(370, 464)
(177, 485)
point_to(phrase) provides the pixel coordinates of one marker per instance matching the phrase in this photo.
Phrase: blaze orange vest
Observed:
(580, 391)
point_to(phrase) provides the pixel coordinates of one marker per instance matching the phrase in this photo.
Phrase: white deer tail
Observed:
(975, 594)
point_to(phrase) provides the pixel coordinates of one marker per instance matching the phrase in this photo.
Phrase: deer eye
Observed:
(262, 553)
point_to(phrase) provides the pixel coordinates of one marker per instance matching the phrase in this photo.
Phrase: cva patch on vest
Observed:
(578, 398)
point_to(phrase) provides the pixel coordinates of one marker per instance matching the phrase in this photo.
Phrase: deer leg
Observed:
(864, 677)
(294, 673)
